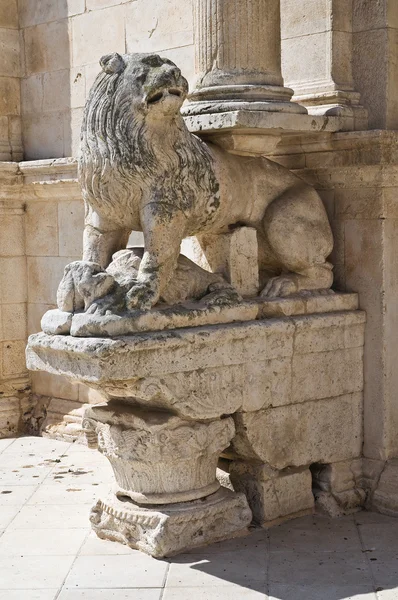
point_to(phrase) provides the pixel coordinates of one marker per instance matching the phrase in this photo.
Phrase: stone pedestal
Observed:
(290, 374)
(167, 498)
(238, 58)
(165, 530)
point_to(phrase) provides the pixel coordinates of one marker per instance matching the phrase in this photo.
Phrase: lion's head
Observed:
(133, 133)
(153, 86)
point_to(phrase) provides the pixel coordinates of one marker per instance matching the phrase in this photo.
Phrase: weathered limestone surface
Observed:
(356, 175)
(254, 370)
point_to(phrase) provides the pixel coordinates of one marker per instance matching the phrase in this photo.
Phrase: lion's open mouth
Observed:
(158, 96)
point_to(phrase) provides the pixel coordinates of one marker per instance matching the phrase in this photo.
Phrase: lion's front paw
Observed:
(141, 296)
(280, 287)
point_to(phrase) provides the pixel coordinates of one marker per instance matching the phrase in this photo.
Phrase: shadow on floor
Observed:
(312, 558)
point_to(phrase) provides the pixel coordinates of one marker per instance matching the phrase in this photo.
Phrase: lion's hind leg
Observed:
(298, 233)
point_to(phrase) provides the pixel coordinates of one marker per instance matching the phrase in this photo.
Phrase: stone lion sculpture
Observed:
(141, 169)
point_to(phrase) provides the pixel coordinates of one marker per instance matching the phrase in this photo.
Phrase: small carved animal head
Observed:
(153, 85)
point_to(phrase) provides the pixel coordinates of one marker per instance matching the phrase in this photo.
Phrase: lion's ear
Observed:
(112, 63)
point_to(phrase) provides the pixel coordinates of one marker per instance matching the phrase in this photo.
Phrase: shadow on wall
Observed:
(312, 558)
(51, 91)
(62, 44)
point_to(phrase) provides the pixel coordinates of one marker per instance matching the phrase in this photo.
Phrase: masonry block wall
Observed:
(62, 42)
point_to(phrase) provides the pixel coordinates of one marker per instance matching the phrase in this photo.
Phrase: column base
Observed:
(226, 98)
(165, 530)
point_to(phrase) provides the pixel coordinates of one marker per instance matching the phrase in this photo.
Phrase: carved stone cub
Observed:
(141, 169)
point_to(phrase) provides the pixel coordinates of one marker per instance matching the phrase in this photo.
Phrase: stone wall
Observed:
(62, 43)
(10, 73)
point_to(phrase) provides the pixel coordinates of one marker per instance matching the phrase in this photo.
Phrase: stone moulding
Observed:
(172, 528)
(191, 314)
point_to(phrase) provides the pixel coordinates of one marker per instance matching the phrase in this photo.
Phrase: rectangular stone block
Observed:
(14, 321)
(56, 90)
(77, 85)
(54, 386)
(47, 47)
(32, 94)
(12, 242)
(45, 274)
(327, 374)
(42, 228)
(269, 383)
(321, 333)
(10, 50)
(72, 126)
(9, 14)
(103, 40)
(322, 431)
(71, 225)
(311, 17)
(295, 70)
(32, 12)
(370, 15)
(35, 313)
(43, 135)
(10, 97)
(272, 495)
(13, 358)
(152, 26)
(385, 498)
(9, 416)
(13, 269)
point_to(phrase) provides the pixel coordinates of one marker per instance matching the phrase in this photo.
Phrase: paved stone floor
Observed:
(47, 551)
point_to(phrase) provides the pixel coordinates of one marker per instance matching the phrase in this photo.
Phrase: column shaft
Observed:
(238, 58)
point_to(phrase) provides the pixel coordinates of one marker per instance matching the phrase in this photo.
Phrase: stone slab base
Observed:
(170, 529)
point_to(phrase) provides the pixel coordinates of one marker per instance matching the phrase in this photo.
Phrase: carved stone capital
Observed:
(159, 458)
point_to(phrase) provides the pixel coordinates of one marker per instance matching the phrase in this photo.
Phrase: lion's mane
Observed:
(117, 156)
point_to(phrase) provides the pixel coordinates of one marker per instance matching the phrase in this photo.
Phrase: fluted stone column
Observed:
(238, 58)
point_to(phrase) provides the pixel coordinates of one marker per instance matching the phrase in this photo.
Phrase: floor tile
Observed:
(33, 572)
(7, 514)
(73, 476)
(37, 444)
(365, 517)
(28, 594)
(5, 443)
(379, 536)
(388, 594)
(16, 495)
(23, 476)
(41, 542)
(231, 568)
(315, 592)
(76, 493)
(94, 546)
(256, 540)
(52, 517)
(114, 594)
(315, 535)
(329, 568)
(384, 566)
(235, 592)
(132, 571)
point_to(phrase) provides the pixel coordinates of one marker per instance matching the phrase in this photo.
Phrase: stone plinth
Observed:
(287, 380)
(258, 133)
